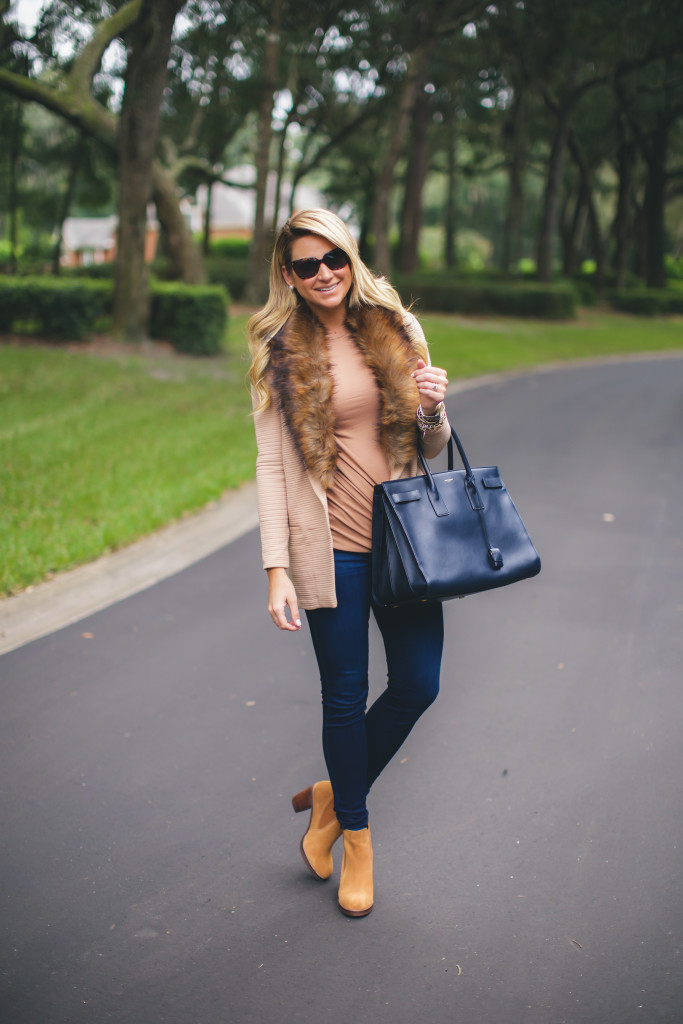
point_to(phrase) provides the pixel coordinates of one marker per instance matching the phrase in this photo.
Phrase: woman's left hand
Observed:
(431, 383)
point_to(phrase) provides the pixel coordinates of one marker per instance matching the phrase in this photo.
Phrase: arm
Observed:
(426, 376)
(272, 507)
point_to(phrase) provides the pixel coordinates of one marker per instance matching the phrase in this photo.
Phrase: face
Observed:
(327, 291)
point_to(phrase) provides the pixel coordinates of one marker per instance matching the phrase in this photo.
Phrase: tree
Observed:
(149, 44)
(67, 90)
(649, 85)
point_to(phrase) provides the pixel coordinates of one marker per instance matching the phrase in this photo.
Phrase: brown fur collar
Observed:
(301, 380)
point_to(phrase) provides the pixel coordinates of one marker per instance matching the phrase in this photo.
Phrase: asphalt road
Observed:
(527, 838)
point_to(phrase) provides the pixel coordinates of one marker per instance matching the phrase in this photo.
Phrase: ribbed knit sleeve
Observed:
(433, 441)
(271, 488)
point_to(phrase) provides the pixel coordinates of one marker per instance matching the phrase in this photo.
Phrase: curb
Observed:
(72, 595)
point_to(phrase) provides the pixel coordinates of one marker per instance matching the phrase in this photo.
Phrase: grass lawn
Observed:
(102, 445)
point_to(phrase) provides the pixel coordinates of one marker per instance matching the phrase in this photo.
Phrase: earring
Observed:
(291, 287)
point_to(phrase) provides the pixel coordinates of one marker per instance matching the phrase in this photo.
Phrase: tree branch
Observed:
(82, 111)
(332, 143)
(628, 114)
(87, 62)
(461, 19)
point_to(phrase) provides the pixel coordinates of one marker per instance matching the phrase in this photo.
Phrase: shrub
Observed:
(451, 295)
(674, 267)
(95, 271)
(52, 307)
(232, 274)
(235, 248)
(192, 317)
(33, 257)
(647, 301)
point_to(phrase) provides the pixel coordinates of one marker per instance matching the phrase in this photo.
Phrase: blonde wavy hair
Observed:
(366, 290)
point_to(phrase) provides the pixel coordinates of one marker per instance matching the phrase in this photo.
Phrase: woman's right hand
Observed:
(281, 595)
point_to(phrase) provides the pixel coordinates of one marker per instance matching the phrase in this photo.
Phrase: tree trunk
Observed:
(411, 216)
(551, 200)
(149, 42)
(622, 227)
(512, 232)
(655, 201)
(183, 252)
(572, 234)
(13, 186)
(280, 171)
(395, 146)
(67, 199)
(451, 211)
(258, 266)
(591, 213)
(366, 212)
(206, 234)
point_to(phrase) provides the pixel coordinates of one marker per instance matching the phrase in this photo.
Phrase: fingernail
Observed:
(298, 622)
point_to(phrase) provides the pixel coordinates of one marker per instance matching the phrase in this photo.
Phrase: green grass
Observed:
(97, 450)
(468, 347)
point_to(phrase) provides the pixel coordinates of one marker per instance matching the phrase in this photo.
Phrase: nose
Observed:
(324, 273)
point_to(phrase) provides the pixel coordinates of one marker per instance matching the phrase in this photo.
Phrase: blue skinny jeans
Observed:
(358, 744)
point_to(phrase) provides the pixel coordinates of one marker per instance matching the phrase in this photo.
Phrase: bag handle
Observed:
(473, 493)
(494, 553)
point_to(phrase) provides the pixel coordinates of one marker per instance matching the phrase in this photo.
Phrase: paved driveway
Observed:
(528, 837)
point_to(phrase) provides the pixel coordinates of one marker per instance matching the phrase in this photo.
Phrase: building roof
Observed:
(81, 233)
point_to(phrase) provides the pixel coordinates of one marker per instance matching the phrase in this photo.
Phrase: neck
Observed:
(333, 321)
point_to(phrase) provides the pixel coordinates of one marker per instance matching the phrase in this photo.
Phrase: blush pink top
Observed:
(361, 461)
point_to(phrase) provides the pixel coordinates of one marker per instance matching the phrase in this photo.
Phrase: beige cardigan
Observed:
(292, 507)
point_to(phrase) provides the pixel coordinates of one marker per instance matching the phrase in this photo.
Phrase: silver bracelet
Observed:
(432, 421)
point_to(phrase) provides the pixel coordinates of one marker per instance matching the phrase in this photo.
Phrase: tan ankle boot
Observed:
(323, 828)
(355, 886)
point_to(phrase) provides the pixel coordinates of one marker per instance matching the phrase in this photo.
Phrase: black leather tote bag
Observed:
(446, 535)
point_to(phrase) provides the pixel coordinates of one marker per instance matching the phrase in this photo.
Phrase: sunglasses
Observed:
(335, 259)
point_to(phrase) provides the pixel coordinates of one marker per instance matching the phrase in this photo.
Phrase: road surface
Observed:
(527, 837)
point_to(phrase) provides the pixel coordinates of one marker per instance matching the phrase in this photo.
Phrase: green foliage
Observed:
(95, 271)
(233, 274)
(51, 307)
(33, 254)
(674, 267)
(236, 248)
(648, 301)
(192, 317)
(586, 289)
(447, 294)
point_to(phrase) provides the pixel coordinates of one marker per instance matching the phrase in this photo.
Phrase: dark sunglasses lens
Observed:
(306, 268)
(335, 259)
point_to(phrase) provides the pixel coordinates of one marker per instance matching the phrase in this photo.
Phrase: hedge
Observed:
(440, 294)
(647, 301)
(51, 307)
(233, 274)
(192, 317)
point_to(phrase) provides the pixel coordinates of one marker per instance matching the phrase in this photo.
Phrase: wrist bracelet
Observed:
(431, 421)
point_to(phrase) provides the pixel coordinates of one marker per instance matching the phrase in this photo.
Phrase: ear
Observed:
(287, 277)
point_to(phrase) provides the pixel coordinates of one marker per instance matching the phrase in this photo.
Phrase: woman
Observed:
(342, 389)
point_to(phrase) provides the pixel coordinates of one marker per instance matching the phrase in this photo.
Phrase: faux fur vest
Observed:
(301, 381)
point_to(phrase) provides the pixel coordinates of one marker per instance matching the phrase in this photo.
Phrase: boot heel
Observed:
(303, 801)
